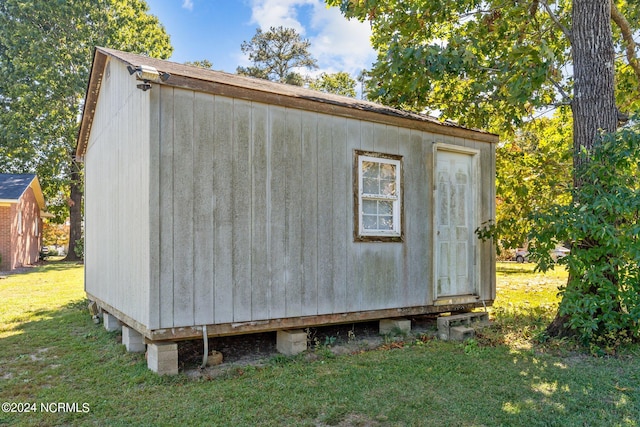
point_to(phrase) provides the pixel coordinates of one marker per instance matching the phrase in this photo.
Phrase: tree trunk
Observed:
(593, 106)
(75, 212)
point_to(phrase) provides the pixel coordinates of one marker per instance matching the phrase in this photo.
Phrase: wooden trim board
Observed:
(227, 329)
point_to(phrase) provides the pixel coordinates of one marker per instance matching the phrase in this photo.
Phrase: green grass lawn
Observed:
(51, 352)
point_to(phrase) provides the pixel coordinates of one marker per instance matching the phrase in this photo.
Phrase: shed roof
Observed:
(232, 85)
(13, 186)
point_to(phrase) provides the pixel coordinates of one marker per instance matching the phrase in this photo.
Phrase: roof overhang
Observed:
(259, 90)
(37, 190)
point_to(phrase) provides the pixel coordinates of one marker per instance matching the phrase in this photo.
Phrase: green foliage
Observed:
(602, 297)
(339, 83)
(204, 63)
(79, 248)
(485, 64)
(45, 58)
(533, 170)
(275, 54)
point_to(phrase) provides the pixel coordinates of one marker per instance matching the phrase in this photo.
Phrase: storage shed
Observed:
(224, 204)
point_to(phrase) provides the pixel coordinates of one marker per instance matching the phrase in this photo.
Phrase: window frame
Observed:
(360, 234)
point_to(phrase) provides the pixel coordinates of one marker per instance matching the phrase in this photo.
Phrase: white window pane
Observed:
(385, 208)
(371, 186)
(388, 187)
(370, 169)
(387, 171)
(370, 222)
(369, 207)
(385, 223)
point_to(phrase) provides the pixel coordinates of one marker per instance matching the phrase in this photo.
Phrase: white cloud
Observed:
(340, 44)
(276, 13)
(337, 43)
(187, 4)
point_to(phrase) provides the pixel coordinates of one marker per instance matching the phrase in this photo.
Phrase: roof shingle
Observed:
(12, 186)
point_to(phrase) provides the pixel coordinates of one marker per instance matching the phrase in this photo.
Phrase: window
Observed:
(378, 201)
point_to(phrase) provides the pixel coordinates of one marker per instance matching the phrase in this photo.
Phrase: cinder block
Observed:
(132, 340)
(466, 321)
(461, 333)
(162, 358)
(291, 342)
(395, 326)
(111, 323)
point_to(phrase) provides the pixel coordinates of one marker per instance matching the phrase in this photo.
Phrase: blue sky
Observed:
(215, 29)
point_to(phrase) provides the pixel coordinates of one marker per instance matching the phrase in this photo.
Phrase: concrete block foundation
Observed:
(461, 326)
(162, 358)
(291, 342)
(111, 323)
(395, 326)
(132, 340)
(461, 333)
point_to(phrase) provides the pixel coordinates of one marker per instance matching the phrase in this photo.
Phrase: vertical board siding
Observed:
(277, 208)
(309, 213)
(341, 184)
(256, 213)
(166, 207)
(325, 214)
(240, 243)
(260, 211)
(117, 211)
(354, 296)
(411, 173)
(293, 208)
(418, 224)
(183, 202)
(203, 199)
(223, 209)
(154, 210)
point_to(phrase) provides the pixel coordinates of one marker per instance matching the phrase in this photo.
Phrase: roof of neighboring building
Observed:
(13, 186)
(254, 89)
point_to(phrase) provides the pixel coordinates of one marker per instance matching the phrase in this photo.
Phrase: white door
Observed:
(455, 223)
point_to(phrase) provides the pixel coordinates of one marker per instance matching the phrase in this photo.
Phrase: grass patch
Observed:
(50, 351)
(526, 302)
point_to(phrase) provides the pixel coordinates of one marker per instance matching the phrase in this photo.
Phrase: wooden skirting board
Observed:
(269, 325)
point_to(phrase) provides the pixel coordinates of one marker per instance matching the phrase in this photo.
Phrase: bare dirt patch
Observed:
(259, 349)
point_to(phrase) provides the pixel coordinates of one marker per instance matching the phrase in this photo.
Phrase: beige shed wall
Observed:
(117, 196)
(254, 208)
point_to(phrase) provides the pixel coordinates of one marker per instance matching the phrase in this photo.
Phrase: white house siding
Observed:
(116, 191)
(252, 212)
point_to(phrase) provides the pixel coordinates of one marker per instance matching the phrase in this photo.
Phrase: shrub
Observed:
(602, 225)
(79, 248)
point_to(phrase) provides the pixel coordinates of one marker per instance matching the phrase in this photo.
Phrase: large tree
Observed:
(495, 64)
(276, 54)
(45, 58)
